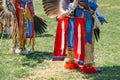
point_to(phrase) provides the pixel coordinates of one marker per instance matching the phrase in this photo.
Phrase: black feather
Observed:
(40, 25)
(97, 33)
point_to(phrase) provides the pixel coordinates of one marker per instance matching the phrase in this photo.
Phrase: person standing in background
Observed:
(28, 24)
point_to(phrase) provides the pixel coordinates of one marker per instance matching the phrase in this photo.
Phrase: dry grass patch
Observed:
(113, 7)
(55, 72)
(104, 5)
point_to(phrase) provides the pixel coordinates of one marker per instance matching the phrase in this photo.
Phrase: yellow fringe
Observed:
(28, 14)
(31, 43)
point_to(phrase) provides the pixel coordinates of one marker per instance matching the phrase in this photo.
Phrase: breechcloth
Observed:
(70, 35)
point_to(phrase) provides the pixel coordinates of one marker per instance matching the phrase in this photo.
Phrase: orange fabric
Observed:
(71, 65)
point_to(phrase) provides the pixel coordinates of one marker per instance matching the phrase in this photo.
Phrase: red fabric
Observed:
(17, 5)
(79, 56)
(39, 18)
(58, 40)
(15, 2)
(71, 65)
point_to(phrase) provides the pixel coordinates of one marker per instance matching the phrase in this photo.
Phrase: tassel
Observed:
(32, 43)
(97, 33)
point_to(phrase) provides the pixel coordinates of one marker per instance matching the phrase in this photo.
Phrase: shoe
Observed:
(71, 65)
(27, 52)
(18, 50)
(99, 70)
(86, 69)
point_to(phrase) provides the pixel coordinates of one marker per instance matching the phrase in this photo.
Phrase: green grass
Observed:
(39, 66)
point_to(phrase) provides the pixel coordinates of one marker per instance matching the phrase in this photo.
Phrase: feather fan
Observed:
(55, 8)
(39, 24)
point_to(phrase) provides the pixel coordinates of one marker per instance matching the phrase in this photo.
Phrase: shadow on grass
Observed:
(109, 73)
(43, 35)
(40, 56)
(7, 36)
(4, 36)
(36, 58)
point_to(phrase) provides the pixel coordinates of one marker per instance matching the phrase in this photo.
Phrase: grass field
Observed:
(39, 66)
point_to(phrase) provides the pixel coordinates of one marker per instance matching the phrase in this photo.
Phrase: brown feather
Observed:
(52, 8)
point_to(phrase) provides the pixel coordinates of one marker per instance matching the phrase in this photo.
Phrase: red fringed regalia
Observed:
(61, 39)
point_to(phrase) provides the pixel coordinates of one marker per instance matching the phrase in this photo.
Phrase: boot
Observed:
(88, 68)
(69, 61)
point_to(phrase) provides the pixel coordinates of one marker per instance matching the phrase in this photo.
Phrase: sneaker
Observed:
(90, 70)
(18, 50)
(27, 52)
(99, 70)
(71, 65)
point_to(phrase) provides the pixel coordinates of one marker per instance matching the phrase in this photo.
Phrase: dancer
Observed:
(24, 24)
(78, 21)
(27, 23)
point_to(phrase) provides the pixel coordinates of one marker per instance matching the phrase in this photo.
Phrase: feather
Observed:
(56, 8)
(97, 33)
(7, 9)
(39, 24)
(49, 7)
